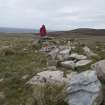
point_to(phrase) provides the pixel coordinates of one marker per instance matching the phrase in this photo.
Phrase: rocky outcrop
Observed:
(84, 89)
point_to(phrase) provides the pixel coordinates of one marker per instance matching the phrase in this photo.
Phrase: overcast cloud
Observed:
(55, 14)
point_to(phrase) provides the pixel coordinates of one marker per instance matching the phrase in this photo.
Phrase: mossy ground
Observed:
(13, 66)
(23, 59)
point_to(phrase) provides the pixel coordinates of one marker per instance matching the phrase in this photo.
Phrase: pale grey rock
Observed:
(2, 96)
(63, 54)
(84, 89)
(25, 77)
(88, 52)
(62, 47)
(48, 76)
(77, 56)
(54, 53)
(65, 51)
(99, 67)
(1, 79)
(51, 68)
(45, 49)
(68, 64)
(83, 63)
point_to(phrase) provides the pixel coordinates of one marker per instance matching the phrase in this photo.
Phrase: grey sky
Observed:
(55, 14)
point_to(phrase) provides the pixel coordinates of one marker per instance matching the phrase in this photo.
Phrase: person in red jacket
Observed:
(43, 32)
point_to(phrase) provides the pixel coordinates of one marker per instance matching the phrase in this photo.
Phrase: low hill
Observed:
(80, 31)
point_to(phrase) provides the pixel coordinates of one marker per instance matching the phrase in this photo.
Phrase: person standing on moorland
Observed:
(44, 38)
(43, 32)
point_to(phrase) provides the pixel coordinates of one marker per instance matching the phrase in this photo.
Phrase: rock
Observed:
(2, 96)
(63, 54)
(25, 77)
(1, 79)
(88, 52)
(53, 53)
(69, 76)
(48, 76)
(62, 47)
(83, 62)
(100, 69)
(68, 64)
(51, 68)
(45, 49)
(65, 51)
(60, 57)
(84, 89)
(69, 44)
(77, 56)
(73, 47)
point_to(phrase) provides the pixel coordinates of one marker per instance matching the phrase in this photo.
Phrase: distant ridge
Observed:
(17, 30)
(89, 31)
(80, 31)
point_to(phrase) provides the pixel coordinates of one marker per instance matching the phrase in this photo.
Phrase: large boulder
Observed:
(100, 69)
(84, 89)
(49, 77)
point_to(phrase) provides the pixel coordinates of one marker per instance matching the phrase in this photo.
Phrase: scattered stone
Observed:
(84, 89)
(100, 69)
(63, 54)
(88, 52)
(2, 96)
(51, 68)
(53, 53)
(1, 79)
(25, 77)
(83, 63)
(65, 51)
(68, 64)
(45, 49)
(77, 56)
(62, 47)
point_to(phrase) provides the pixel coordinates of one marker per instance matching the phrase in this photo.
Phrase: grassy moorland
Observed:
(17, 60)
(20, 61)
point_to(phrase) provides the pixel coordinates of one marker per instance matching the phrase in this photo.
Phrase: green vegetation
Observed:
(15, 63)
(49, 94)
(20, 61)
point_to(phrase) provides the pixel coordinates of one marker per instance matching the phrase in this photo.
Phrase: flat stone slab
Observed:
(77, 56)
(83, 62)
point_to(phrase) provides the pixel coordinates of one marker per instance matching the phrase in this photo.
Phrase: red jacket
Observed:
(43, 31)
